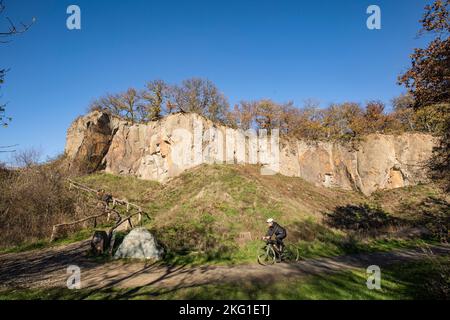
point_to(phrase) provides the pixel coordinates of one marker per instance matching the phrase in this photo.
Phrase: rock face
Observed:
(88, 140)
(165, 148)
(139, 244)
(378, 162)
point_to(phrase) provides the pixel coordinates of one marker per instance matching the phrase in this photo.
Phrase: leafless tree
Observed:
(27, 158)
(155, 97)
(13, 28)
(201, 96)
(5, 37)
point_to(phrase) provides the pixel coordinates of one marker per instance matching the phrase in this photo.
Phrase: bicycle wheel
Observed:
(267, 257)
(291, 253)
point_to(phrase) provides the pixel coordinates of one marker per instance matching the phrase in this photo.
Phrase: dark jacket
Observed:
(276, 230)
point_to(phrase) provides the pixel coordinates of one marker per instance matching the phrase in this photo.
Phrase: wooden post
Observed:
(109, 213)
(107, 210)
(52, 237)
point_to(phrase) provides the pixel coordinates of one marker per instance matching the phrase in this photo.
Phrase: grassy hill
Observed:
(217, 213)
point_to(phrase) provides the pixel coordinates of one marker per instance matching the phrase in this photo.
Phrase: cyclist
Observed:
(278, 231)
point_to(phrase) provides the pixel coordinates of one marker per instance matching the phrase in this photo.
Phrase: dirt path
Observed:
(47, 268)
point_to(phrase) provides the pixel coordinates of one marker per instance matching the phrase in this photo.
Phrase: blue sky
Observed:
(284, 50)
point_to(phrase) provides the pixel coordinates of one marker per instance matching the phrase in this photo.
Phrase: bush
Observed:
(201, 236)
(359, 218)
(33, 199)
(437, 284)
(308, 231)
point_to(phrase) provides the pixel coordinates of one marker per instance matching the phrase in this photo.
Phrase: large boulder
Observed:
(162, 149)
(139, 244)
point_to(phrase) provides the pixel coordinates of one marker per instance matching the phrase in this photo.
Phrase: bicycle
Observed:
(271, 254)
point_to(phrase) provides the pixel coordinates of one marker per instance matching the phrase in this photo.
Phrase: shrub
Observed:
(202, 235)
(33, 199)
(359, 218)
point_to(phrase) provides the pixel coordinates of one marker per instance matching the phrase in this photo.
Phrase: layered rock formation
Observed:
(165, 148)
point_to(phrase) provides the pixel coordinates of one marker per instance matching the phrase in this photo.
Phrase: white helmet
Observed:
(270, 220)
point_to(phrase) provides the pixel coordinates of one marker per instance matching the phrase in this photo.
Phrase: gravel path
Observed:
(47, 268)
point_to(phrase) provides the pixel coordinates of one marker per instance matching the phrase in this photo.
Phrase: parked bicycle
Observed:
(271, 254)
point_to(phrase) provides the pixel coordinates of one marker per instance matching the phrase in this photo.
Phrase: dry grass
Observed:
(207, 208)
(33, 199)
(228, 193)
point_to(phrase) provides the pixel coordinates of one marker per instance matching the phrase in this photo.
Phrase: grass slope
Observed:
(216, 213)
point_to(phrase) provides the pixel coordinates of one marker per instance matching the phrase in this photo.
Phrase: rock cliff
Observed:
(162, 149)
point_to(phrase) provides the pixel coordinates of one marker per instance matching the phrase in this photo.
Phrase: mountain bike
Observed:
(270, 253)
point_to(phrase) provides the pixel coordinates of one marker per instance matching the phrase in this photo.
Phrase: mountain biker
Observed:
(278, 231)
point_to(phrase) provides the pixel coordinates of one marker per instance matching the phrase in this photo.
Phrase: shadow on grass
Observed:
(431, 213)
(318, 240)
(360, 218)
(399, 281)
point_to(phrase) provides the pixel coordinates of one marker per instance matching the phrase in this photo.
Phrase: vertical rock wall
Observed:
(165, 148)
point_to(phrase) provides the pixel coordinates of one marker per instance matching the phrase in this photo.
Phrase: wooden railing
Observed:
(129, 208)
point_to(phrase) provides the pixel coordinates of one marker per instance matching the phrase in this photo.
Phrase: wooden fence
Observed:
(108, 208)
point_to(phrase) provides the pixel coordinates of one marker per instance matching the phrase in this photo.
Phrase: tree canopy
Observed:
(428, 82)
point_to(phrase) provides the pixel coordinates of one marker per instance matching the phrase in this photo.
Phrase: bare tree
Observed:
(13, 29)
(5, 37)
(27, 158)
(129, 102)
(127, 105)
(403, 110)
(202, 97)
(156, 98)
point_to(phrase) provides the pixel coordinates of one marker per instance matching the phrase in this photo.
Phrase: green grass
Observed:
(345, 246)
(127, 187)
(209, 206)
(399, 281)
(308, 250)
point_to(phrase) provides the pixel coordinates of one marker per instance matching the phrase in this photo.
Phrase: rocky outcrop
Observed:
(377, 162)
(88, 141)
(165, 148)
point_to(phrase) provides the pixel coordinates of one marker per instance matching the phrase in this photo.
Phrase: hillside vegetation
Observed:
(217, 213)
(35, 197)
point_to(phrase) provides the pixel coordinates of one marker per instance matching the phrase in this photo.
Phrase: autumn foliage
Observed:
(428, 82)
(309, 121)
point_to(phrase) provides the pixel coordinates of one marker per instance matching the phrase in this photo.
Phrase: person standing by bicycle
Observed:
(278, 231)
